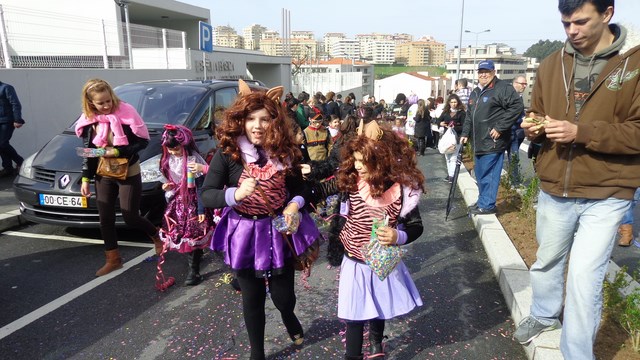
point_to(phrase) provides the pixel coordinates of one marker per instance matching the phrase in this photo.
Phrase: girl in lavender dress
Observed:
(258, 152)
(378, 175)
(187, 226)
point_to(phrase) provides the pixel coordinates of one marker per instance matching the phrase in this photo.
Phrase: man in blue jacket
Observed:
(494, 106)
(10, 119)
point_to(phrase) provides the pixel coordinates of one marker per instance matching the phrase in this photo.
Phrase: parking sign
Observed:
(206, 37)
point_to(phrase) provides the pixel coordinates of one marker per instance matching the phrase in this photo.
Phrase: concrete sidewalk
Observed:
(9, 208)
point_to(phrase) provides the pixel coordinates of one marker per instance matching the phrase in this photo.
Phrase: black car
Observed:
(48, 185)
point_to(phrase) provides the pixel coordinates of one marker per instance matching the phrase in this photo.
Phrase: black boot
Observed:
(376, 331)
(359, 357)
(194, 277)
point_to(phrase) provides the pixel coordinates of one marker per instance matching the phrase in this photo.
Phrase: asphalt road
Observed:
(54, 308)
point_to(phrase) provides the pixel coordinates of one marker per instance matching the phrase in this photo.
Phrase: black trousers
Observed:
(254, 294)
(129, 191)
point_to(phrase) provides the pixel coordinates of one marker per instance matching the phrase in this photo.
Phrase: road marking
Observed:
(73, 239)
(68, 297)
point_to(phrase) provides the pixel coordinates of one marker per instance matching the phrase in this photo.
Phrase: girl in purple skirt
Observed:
(378, 176)
(258, 152)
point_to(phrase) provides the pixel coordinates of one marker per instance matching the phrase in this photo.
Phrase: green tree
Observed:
(542, 49)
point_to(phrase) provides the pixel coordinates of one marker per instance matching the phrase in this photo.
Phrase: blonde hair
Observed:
(96, 86)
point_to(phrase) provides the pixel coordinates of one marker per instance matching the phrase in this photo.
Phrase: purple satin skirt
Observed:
(256, 245)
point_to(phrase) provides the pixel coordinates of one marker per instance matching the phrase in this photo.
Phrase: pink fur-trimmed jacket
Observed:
(124, 115)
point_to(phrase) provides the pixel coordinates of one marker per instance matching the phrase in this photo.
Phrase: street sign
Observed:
(206, 37)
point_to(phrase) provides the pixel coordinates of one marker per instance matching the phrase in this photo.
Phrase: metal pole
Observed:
(166, 49)
(128, 27)
(204, 64)
(460, 42)
(5, 40)
(105, 59)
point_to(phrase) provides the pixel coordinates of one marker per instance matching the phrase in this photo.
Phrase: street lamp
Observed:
(475, 50)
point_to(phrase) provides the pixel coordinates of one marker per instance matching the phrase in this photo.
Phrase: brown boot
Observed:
(114, 262)
(157, 243)
(626, 234)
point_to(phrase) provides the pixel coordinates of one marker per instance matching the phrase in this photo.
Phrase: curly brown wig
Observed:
(389, 160)
(279, 137)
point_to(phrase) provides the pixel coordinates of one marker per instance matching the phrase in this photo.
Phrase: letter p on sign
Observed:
(206, 37)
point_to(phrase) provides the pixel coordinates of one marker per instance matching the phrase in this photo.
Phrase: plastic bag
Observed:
(382, 259)
(448, 142)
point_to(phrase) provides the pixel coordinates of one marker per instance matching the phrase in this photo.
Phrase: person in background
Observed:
(317, 139)
(339, 100)
(257, 170)
(494, 106)
(453, 116)
(116, 127)
(10, 119)
(589, 169)
(517, 135)
(626, 227)
(303, 112)
(398, 127)
(183, 169)
(437, 131)
(347, 108)
(331, 107)
(422, 120)
(334, 130)
(462, 90)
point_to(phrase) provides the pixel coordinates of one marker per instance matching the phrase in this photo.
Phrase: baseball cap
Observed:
(486, 65)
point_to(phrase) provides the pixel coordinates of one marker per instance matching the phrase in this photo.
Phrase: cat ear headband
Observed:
(275, 93)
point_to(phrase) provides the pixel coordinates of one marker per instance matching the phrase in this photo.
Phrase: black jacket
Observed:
(497, 106)
(423, 124)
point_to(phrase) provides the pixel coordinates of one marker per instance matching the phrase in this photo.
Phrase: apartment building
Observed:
(252, 35)
(508, 63)
(421, 53)
(227, 36)
(349, 48)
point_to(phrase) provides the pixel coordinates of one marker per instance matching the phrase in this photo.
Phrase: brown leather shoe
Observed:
(626, 234)
(114, 262)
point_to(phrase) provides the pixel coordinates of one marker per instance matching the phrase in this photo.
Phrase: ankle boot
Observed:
(114, 262)
(626, 234)
(194, 277)
(376, 330)
(157, 243)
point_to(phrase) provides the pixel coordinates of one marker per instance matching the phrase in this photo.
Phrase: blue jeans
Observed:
(628, 216)
(487, 168)
(583, 231)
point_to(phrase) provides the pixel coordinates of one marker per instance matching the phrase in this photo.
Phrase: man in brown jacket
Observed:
(586, 117)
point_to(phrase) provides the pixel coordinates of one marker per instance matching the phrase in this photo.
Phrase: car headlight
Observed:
(26, 170)
(150, 170)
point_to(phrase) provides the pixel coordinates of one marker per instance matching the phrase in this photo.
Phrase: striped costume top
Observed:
(271, 181)
(362, 210)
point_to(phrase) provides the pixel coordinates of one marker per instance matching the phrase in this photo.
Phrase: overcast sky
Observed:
(518, 23)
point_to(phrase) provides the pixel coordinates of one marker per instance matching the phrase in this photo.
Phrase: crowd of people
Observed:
(281, 157)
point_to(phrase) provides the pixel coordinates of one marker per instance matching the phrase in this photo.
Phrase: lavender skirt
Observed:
(362, 296)
(256, 245)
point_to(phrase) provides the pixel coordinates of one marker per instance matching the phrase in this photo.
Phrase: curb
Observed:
(510, 270)
(11, 219)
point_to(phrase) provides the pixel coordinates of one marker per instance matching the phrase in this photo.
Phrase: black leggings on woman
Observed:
(355, 335)
(281, 288)
(130, 191)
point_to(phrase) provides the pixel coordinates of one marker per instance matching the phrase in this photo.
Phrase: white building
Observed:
(252, 35)
(349, 48)
(380, 52)
(508, 63)
(339, 75)
(420, 83)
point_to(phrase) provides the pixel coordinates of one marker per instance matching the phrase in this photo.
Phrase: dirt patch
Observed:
(612, 342)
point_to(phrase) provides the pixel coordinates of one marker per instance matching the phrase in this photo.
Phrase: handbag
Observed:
(304, 261)
(447, 143)
(115, 168)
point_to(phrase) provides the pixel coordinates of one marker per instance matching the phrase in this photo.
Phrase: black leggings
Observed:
(129, 190)
(355, 335)
(254, 294)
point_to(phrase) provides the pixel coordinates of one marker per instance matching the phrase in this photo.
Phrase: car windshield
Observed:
(164, 103)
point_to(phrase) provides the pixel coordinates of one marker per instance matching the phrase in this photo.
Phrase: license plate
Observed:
(64, 201)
